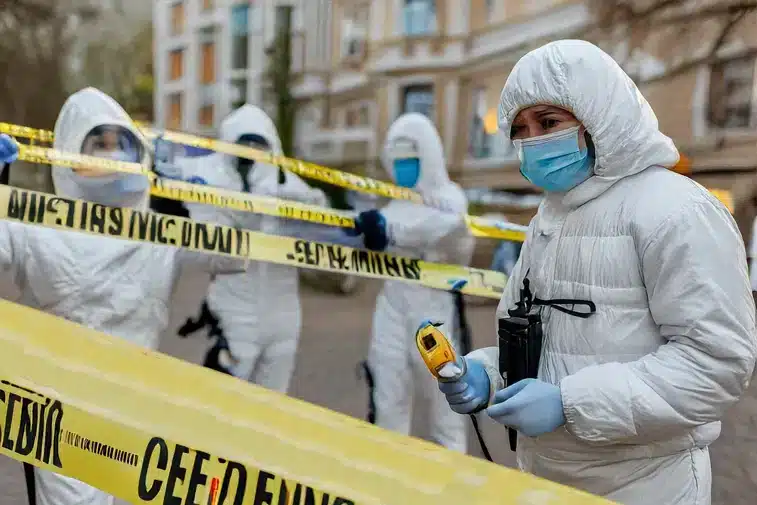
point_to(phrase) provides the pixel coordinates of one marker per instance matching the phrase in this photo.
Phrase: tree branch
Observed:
(710, 12)
(725, 30)
(711, 57)
(692, 64)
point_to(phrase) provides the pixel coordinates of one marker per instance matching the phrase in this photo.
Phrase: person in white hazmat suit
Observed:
(414, 157)
(114, 286)
(257, 313)
(627, 400)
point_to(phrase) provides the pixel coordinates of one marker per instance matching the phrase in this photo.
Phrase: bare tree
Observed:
(683, 33)
(35, 42)
(122, 67)
(36, 37)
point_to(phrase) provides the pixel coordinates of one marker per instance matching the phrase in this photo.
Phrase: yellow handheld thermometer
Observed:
(437, 352)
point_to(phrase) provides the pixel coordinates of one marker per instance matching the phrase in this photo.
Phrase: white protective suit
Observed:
(117, 287)
(647, 378)
(422, 232)
(259, 310)
(753, 256)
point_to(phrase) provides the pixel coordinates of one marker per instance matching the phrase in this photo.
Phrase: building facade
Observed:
(447, 59)
(359, 64)
(210, 55)
(450, 58)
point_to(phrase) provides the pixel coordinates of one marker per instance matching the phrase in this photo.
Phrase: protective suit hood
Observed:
(420, 130)
(81, 113)
(581, 78)
(249, 119)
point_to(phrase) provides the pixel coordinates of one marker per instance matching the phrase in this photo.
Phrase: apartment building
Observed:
(210, 55)
(359, 64)
(447, 59)
(450, 58)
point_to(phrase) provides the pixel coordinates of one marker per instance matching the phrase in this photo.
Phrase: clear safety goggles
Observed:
(113, 142)
(255, 141)
(403, 149)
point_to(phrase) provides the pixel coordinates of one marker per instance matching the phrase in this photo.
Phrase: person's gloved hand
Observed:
(372, 225)
(167, 169)
(8, 149)
(532, 407)
(469, 391)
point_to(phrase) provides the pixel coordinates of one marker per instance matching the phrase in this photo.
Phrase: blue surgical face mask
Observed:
(555, 162)
(407, 171)
(117, 190)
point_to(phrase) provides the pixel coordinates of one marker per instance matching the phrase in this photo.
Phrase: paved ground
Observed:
(332, 348)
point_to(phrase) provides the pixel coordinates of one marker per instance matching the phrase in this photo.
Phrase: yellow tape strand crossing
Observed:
(149, 428)
(479, 226)
(42, 209)
(193, 193)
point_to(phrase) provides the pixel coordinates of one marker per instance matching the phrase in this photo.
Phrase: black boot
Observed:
(213, 356)
(206, 318)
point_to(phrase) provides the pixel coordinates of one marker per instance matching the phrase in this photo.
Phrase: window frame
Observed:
(414, 88)
(177, 23)
(432, 24)
(479, 141)
(175, 75)
(718, 84)
(240, 40)
(176, 98)
(208, 71)
(201, 115)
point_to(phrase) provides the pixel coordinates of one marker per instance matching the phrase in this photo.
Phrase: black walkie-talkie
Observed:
(520, 340)
(521, 337)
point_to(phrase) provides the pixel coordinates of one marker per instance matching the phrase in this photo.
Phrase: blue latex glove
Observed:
(457, 284)
(8, 149)
(171, 171)
(372, 225)
(469, 392)
(531, 406)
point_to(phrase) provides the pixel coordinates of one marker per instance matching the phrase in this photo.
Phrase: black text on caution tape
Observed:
(100, 449)
(338, 258)
(126, 223)
(177, 475)
(31, 424)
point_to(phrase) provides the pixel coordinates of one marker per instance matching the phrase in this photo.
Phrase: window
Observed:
(238, 93)
(484, 138)
(354, 30)
(358, 115)
(205, 117)
(173, 121)
(208, 68)
(176, 69)
(478, 140)
(240, 16)
(731, 93)
(256, 16)
(207, 34)
(489, 9)
(177, 18)
(419, 17)
(419, 98)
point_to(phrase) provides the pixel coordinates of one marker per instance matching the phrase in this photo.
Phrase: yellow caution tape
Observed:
(193, 193)
(53, 211)
(149, 428)
(480, 227)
